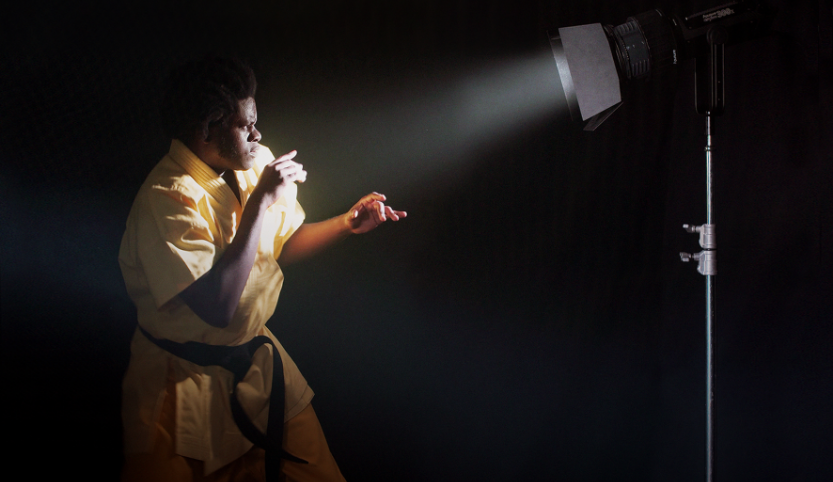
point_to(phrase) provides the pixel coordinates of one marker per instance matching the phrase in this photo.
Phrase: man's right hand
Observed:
(276, 176)
(214, 296)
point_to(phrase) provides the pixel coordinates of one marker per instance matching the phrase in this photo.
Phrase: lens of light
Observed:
(644, 43)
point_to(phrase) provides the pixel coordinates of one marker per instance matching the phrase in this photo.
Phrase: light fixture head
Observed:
(593, 60)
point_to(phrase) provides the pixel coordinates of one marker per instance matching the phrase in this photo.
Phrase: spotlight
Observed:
(593, 60)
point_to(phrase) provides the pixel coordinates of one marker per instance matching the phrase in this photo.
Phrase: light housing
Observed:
(593, 60)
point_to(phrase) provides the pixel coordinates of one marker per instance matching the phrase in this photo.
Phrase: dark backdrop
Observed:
(530, 320)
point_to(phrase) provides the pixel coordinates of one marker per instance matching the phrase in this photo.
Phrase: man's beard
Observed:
(230, 151)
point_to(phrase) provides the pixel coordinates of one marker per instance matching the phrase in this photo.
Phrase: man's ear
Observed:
(207, 136)
(211, 127)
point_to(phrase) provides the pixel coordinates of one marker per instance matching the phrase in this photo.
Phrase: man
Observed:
(201, 255)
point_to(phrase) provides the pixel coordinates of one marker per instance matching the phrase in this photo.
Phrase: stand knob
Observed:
(706, 259)
(708, 236)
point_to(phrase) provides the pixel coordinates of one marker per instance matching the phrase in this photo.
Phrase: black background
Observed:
(530, 320)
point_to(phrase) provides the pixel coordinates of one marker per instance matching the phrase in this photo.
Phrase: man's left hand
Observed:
(370, 212)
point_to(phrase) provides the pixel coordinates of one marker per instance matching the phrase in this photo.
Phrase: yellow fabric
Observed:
(303, 437)
(183, 218)
(162, 464)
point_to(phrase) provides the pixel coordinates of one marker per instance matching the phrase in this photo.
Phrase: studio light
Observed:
(594, 60)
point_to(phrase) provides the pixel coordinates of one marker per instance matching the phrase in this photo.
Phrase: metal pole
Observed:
(709, 317)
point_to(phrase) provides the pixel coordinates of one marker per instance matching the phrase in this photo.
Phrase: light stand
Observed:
(709, 100)
(593, 60)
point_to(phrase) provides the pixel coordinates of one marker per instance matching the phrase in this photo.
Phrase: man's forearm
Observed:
(364, 216)
(310, 239)
(215, 295)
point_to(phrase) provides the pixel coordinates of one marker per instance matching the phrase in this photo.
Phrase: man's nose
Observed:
(255, 137)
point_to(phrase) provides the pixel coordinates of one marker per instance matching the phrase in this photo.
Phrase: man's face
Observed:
(237, 142)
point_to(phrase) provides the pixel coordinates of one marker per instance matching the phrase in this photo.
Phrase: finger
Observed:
(293, 177)
(380, 210)
(293, 172)
(283, 159)
(376, 211)
(374, 196)
(396, 215)
(288, 156)
(291, 167)
(369, 199)
(357, 210)
(286, 164)
(391, 213)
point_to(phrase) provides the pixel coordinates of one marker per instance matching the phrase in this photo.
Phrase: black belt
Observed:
(238, 360)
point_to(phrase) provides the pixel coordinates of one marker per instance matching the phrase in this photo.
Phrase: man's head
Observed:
(209, 105)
